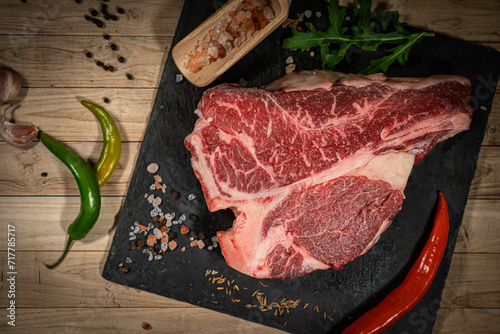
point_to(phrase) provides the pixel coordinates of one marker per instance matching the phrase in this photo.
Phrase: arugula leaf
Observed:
(369, 34)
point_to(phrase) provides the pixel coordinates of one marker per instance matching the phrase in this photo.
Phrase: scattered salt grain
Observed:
(289, 60)
(111, 296)
(182, 218)
(131, 233)
(318, 14)
(158, 178)
(214, 239)
(164, 188)
(157, 201)
(191, 239)
(311, 53)
(132, 237)
(179, 78)
(214, 272)
(154, 212)
(172, 245)
(164, 246)
(308, 13)
(183, 249)
(152, 187)
(128, 260)
(150, 258)
(152, 168)
(191, 197)
(136, 223)
(145, 250)
(151, 198)
(210, 248)
(290, 68)
(158, 257)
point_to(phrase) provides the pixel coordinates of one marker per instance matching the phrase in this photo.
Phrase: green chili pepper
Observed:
(90, 195)
(112, 147)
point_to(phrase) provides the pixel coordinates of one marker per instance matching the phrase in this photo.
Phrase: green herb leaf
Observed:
(369, 34)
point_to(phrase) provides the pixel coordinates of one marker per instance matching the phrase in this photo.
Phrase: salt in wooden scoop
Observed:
(208, 73)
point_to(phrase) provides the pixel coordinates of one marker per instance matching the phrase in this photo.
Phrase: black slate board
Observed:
(341, 295)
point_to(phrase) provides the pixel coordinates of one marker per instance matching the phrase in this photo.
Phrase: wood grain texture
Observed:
(486, 182)
(37, 159)
(61, 61)
(68, 120)
(120, 320)
(65, 17)
(466, 321)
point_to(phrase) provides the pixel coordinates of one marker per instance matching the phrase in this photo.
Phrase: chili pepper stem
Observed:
(66, 250)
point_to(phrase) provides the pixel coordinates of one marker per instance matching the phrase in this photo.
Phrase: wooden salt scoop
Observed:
(207, 74)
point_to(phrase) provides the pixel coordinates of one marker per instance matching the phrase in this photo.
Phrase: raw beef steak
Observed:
(315, 164)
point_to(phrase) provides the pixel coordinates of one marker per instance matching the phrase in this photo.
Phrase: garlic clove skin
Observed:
(10, 84)
(17, 135)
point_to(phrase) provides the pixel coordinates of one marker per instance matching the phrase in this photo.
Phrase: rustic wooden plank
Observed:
(480, 230)
(151, 17)
(58, 111)
(486, 182)
(77, 282)
(23, 170)
(473, 281)
(492, 132)
(60, 182)
(66, 17)
(48, 231)
(127, 320)
(466, 321)
(60, 61)
(447, 17)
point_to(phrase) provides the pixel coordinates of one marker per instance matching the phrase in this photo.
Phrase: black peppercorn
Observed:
(78, 1)
(113, 46)
(111, 68)
(120, 10)
(100, 63)
(106, 36)
(89, 55)
(93, 12)
(87, 17)
(114, 17)
(121, 59)
(130, 76)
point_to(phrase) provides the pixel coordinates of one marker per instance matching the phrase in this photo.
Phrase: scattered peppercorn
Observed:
(121, 59)
(141, 243)
(93, 12)
(201, 235)
(98, 22)
(44, 174)
(113, 46)
(106, 100)
(24, 1)
(89, 54)
(120, 10)
(194, 218)
(133, 245)
(130, 76)
(175, 194)
(106, 36)
(114, 17)
(171, 234)
(123, 270)
(105, 67)
(99, 63)
(78, 1)
(87, 17)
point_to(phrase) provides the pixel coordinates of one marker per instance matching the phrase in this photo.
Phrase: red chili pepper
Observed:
(403, 298)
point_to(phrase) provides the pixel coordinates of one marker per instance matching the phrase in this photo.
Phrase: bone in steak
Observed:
(315, 164)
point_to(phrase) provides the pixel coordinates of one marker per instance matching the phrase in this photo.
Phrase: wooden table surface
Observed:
(46, 42)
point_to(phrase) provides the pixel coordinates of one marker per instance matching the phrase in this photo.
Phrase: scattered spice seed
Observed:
(87, 17)
(315, 292)
(123, 270)
(106, 100)
(78, 1)
(175, 194)
(121, 59)
(172, 234)
(44, 174)
(111, 68)
(106, 36)
(89, 54)
(93, 12)
(141, 243)
(113, 46)
(114, 17)
(130, 76)
(120, 10)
